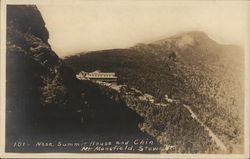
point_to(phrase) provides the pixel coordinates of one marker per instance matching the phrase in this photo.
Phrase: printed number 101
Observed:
(19, 144)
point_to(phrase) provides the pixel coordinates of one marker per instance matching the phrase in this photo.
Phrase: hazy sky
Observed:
(95, 25)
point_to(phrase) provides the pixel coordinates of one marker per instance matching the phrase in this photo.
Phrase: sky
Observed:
(97, 25)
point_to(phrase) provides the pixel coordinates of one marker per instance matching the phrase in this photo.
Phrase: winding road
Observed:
(211, 133)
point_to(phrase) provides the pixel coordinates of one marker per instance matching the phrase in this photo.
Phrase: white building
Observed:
(98, 76)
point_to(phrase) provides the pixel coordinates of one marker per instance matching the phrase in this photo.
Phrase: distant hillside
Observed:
(205, 75)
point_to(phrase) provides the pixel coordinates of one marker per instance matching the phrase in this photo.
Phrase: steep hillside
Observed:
(169, 121)
(188, 67)
(45, 103)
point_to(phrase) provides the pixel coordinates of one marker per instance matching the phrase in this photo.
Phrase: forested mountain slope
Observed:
(188, 67)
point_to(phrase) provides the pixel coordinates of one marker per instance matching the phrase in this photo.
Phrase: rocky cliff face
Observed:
(36, 78)
(44, 99)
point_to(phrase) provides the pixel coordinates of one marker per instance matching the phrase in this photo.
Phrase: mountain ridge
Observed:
(204, 74)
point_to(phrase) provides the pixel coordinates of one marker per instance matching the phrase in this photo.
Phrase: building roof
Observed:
(97, 75)
(101, 75)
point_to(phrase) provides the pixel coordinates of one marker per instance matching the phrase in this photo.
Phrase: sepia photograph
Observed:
(125, 77)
